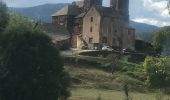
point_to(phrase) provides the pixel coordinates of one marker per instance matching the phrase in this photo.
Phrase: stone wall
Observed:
(91, 26)
(111, 31)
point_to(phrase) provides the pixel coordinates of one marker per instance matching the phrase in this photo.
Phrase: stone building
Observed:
(92, 25)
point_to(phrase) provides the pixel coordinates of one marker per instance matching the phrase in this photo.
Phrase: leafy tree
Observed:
(161, 39)
(4, 17)
(33, 67)
(157, 70)
(146, 36)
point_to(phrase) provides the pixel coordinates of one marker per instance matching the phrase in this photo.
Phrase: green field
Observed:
(93, 94)
(91, 83)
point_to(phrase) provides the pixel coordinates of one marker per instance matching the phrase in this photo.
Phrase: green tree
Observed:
(33, 67)
(161, 39)
(4, 17)
(157, 70)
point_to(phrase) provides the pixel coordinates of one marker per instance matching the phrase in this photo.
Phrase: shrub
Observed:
(157, 70)
(34, 68)
(4, 17)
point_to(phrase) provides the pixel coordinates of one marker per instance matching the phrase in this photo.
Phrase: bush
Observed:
(34, 68)
(4, 17)
(157, 70)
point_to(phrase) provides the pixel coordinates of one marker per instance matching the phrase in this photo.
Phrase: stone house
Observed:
(92, 25)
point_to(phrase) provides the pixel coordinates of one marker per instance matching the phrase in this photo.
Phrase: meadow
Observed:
(96, 84)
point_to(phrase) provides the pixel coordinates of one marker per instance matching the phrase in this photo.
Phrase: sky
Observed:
(152, 12)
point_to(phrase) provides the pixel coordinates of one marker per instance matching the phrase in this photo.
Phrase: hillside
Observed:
(91, 83)
(142, 27)
(44, 12)
(41, 12)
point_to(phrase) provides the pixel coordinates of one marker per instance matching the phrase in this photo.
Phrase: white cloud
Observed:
(165, 13)
(158, 6)
(151, 21)
(165, 23)
(145, 20)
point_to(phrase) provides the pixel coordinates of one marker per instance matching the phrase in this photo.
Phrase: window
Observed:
(91, 29)
(104, 39)
(90, 40)
(91, 19)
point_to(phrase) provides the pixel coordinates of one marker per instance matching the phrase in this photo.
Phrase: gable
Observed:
(92, 11)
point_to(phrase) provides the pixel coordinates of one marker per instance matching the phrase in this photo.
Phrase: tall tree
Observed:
(4, 17)
(161, 39)
(34, 68)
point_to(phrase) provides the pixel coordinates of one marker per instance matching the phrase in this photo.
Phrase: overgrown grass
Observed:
(94, 78)
(93, 94)
(104, 63)
(92, 83)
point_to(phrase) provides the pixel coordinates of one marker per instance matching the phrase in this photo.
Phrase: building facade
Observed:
(93, 26)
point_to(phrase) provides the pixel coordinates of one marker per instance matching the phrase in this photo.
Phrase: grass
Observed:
(104, 63)
(93, 94)
(99, 79)
(94, 83)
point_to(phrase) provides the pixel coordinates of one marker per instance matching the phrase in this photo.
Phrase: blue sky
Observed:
(144, 11)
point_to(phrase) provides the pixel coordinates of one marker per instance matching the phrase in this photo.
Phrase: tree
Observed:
(4, 17)
(157, 70)
(161, 39)
(34, 68)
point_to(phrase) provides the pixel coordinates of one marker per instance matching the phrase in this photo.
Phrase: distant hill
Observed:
(142, 27)
(44, 12)
(144, 31)
(41, 12)
(166, 28)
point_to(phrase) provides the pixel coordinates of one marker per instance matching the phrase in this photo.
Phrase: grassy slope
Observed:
(93, 94)
(93, 83)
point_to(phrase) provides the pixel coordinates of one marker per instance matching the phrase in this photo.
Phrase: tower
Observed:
(122, 6)
(89, 3)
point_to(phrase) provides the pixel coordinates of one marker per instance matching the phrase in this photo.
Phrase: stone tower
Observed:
(122, 6)
(89, 3)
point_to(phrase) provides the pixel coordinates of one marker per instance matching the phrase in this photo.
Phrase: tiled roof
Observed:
(67, 10)
(81, 15)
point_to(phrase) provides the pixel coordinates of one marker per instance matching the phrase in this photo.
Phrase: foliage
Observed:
(145, 47)
(160, 96)
(157, 70)
(4, 17)
(19, 23)
(99, 97)
(161, 39)
(34, 68)
(146, 36)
